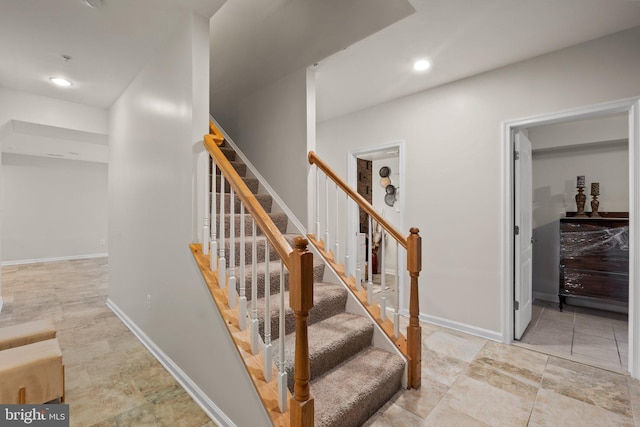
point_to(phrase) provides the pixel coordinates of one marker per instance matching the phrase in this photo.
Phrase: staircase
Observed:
(350, 379)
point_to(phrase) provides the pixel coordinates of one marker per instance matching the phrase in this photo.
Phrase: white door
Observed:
(523, 234)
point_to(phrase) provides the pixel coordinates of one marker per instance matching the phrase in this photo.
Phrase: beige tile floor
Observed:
(466, 381)
(111, 379)
(599, 338)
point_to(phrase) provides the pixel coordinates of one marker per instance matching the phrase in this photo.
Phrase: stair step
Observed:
(239, 166)
(260, 249)
(252, 183)
(328, 300)
(274, 273)
(228, 152)
(279, 219)
(351, 393)
(331, 342)
(265, 200)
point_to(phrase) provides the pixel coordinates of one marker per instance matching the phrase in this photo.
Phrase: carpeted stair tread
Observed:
(328, 300)
(352, 392)
(260, 248)
(239, 166)
(265, 200)
(274, 273)
(331, 342)
(252, 183)
(228, 152)
(279, 219)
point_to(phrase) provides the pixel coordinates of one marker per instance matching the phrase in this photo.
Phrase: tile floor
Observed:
(466, 381)
(111, 378)
(596, 337)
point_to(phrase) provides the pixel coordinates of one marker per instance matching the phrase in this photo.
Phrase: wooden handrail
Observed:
(262, 219)
(366, 206)
(215, 133)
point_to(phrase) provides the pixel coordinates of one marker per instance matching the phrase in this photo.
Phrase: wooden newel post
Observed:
(414, 331)
(301, 301)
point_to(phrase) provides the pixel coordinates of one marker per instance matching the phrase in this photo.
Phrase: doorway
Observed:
(384, 180)
(516, 288)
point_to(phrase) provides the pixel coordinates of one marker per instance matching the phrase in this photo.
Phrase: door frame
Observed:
(353, 214)
(632, 107)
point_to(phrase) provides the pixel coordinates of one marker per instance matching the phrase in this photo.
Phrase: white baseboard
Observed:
(462, 327)
(196, 393)
(54, 259)
(545, 297)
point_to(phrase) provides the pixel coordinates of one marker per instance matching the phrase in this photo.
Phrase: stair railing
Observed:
(327, 219)
(239, 316)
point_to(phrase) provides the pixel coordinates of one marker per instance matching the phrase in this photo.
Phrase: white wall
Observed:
(151, 172)
(454, 162)
(23, 106)
(555, 167)
(23, 235)
(270, 127)
(52, 208)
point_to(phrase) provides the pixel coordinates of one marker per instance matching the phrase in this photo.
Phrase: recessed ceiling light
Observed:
(421, 65)
(60, 81)
(94, 4)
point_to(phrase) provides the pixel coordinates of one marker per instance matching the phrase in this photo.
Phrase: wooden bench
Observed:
(26, 333)
(32, 373)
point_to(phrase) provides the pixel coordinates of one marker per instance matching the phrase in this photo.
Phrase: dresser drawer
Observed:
(595, 284)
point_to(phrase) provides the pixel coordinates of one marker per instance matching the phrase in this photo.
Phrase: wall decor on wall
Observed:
(390, 197)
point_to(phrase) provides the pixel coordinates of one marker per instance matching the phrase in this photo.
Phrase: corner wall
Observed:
(153, 278)
(455, 159)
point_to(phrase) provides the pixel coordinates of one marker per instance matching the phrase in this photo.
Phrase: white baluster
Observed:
(267, 355)
(358, 262)
(370, 266)
(318, 228)
(205, 221)
(242, 303)
(233, 295)
(347, 245)
(383, 291)
(282, 374)
(213, 258)
(326, 217)
(255, 324)
(222, 262)
(396, 308)
(336, 257)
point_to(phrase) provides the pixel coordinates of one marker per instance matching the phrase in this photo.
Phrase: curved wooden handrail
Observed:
(262, 219)
(315, 160)
(215, 133)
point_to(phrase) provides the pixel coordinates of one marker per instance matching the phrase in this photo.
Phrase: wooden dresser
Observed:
(594, 258)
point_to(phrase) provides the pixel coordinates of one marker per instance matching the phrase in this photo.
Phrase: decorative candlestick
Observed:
(580, 198)
(595, 204)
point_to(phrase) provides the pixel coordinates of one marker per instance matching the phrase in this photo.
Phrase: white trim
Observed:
(54, 259)
(207, 405)
(296, 222)
(1, 304)
(462, 327)
(630, 105)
